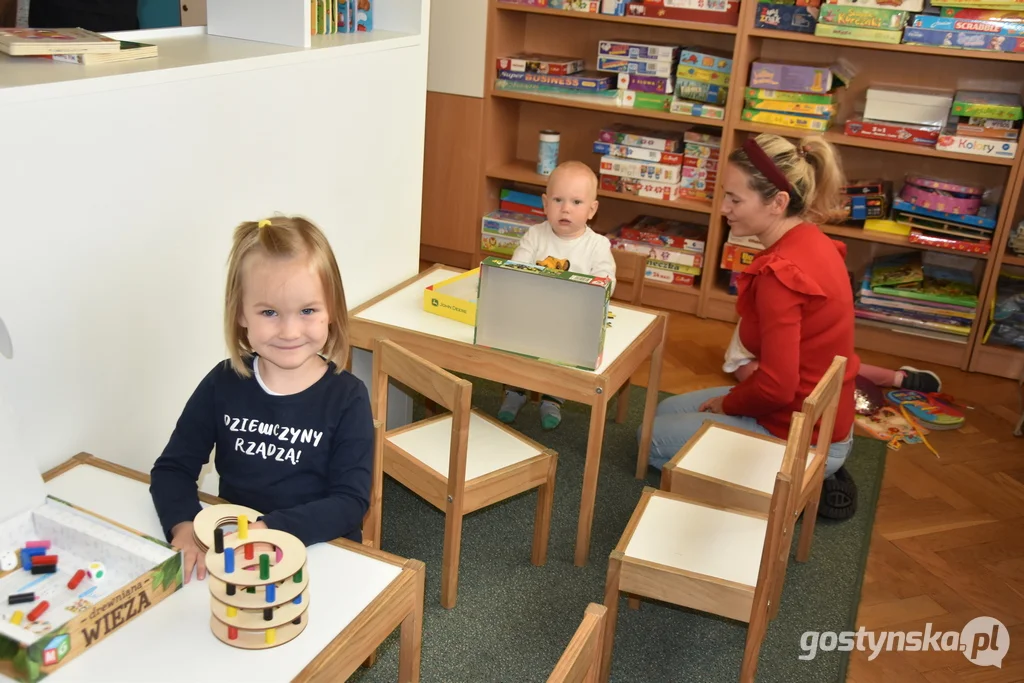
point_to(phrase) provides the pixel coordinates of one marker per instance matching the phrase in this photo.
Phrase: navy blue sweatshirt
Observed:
(304, 460)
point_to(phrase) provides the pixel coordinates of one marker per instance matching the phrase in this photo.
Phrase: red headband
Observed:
(763, 163)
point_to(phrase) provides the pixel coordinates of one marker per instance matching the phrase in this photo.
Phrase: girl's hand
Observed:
(183, 540)
(713, 405)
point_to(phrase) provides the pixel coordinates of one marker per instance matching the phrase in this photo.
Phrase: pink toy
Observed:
(937, 200)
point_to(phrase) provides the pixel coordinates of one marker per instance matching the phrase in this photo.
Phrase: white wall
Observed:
(458, 43)
(118, 212)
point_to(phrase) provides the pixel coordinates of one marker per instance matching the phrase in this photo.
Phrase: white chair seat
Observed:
(699, 539)
(491, 447)
(746, 460)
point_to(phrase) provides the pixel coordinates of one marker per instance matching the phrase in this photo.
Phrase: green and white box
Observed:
(551, 315)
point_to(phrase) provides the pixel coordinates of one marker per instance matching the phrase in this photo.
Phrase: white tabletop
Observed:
(404, 308)
(168, 642)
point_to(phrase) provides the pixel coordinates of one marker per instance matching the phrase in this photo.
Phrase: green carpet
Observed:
(513, 620)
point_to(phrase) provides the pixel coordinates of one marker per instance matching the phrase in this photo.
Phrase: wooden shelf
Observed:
(720, 293)
(1002, 361)
(837, 138)
(887, 238)
(1011, 260)
(635, 21)
(523, 172)
(569, 101)
(900, 47)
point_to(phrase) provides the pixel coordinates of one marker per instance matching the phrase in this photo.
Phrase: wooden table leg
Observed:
(411, 635)
(650, 409)
(588, 496)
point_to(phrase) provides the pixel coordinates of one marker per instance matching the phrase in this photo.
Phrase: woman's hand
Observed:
(713, 405)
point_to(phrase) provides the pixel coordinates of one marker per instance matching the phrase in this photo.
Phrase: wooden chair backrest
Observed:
(823, 403)
(372, 518)
(630, 267)
(581, 660)
(775, 554)
(432, 382)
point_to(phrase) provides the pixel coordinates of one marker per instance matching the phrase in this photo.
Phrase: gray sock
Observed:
(550, 414)
(514, 400)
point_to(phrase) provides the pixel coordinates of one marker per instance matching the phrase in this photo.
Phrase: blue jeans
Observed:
(679, 417)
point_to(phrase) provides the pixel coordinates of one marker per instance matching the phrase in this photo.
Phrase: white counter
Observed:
(121, 184)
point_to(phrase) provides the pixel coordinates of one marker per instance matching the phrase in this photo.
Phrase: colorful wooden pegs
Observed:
(243, 527)
(38, 610)
(18, 598)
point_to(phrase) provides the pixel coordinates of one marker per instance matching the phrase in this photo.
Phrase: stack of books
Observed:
(702, 82)
(675, 250)
(927, 293)
(644, 71)
(71, 45)
(794, 95)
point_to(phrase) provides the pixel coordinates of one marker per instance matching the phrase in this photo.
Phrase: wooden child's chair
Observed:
(723, 465)
(460, 461)
(581, 661)
(630, 273)
(717, 559)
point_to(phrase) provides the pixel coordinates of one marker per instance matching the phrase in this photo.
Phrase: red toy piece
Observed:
(76, 579)
(38, 610)
(43, 559)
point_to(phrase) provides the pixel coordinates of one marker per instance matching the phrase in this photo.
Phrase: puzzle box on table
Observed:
(139, 571)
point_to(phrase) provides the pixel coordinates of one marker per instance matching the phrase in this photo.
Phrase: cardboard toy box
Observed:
(130, 574)
(454, 298)
(567, 330)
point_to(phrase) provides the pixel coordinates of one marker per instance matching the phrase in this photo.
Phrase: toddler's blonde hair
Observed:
(284, 237)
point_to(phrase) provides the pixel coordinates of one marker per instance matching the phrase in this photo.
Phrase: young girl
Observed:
(292, 430)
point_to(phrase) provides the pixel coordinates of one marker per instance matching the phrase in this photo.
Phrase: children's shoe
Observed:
(838, 496)
(550, 414)
(514, 400)
(928, 409)
(925, 381)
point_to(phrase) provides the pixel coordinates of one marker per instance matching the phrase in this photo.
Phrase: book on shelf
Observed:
(29, 42)
(129, 52)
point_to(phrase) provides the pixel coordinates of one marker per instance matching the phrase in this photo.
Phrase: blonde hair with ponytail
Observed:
(812, 168)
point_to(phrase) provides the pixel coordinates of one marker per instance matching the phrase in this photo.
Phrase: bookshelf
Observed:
(511, 121)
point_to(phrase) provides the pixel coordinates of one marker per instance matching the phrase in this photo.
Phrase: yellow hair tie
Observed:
(264, 223)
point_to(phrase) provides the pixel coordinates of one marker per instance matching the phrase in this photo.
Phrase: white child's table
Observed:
(358, 596)
(636, 334)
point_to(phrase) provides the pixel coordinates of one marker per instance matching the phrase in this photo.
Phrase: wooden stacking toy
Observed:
(259, 588)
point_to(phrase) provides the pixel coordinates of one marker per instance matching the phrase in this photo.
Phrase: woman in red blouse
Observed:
(795, 304)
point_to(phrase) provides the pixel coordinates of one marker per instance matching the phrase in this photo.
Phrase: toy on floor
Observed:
(259, 589)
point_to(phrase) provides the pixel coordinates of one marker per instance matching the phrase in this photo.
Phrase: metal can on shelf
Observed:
(547, 154)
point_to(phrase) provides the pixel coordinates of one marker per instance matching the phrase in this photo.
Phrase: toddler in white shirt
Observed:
(569, 203)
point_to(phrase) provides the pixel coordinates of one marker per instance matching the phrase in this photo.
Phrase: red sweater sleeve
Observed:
(775, 382)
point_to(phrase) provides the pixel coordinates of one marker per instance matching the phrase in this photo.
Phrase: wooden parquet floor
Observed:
(948, 541)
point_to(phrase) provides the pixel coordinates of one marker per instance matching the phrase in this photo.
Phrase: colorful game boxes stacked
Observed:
(737, 254)
(924, 291)
(798, 16)
(945, 214)
(552, 75)
(981, 25)
(675, 250)
(984, 123)
(707, 11)
(794, 95)
(613, 7)
(640, 161)
(702, 82)
(644, 72)
(518, 211)
(701, 153)
(902, 114)
(860, 22)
